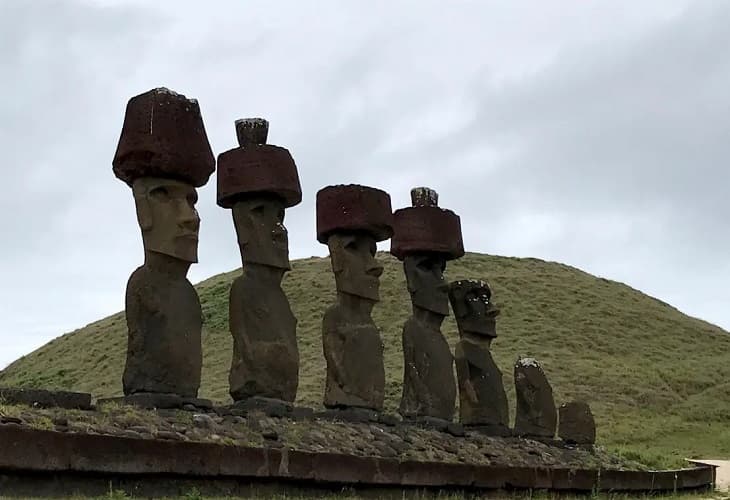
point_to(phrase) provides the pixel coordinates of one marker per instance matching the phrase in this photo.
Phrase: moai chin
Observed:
(351, 219)
(425, 238)
(258, 181)
(163, 155)
(482, 398)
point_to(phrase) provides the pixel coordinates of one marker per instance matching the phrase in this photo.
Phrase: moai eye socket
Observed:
(160, 193)
(280, 215)
(192, 198)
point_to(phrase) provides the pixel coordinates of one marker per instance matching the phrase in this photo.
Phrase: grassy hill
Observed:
(658, 380)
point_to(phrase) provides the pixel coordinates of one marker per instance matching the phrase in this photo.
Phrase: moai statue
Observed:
(536, 415)
(258, 181)
(163, 155)
(351, 219)
(425, 238)
(576, 424)
(482, 399)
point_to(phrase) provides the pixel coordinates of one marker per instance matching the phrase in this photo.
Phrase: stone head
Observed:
(425, 277)
(167, 216)
(356, 270)
(262, 237)
(474, 312)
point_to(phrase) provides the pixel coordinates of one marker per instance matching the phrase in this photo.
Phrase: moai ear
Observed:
(409, 269)
(334, 242)
(242, 222)
(142, 203)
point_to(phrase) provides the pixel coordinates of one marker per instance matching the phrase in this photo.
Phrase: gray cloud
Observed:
(593, 135)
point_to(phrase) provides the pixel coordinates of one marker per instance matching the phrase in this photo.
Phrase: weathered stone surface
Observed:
(46, 399)
(256, 167)
(353, 208)
(576, 424)
(160, 401)
(162, 153)
(265, 358)
(424, 243)
(163, 136)
(351, 220)
(475, 314)
(353, 350)
(271, 407)
(482, 398)
(536, 414)
(428, 376)
(349, 414)
(258, 182)
(425, 227)
(164, 318)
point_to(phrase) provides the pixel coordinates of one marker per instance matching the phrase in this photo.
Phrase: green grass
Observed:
(658, 381)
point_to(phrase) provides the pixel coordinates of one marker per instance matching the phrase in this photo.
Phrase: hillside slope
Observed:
(658, 380)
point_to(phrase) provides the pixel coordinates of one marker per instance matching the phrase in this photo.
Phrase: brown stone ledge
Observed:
(28, 451)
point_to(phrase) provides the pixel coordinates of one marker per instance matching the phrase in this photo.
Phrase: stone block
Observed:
(354, 208)
(46, 399)
(163, 136)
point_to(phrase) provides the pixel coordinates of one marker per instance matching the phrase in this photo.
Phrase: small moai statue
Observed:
(351, 219)
(163, 155)
(576, 424)
(535, 415)
(426, 237)
(258, 181)
(482, 399)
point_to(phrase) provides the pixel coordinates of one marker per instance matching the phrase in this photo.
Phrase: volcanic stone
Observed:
(163, 136)
(46, 399)
(536, 415)
(576, 424)
(164, 318)
(256, 167)
(482, 398)
(353, 208)
(424, 241)
(351, 219)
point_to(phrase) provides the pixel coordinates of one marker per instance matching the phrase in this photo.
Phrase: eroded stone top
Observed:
(252, 131)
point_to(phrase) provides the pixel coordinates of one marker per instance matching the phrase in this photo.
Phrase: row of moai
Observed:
(164, 154)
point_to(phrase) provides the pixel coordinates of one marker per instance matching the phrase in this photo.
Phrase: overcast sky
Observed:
(591, 133)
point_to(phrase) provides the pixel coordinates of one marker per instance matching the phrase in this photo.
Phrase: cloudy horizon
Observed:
(594, 134)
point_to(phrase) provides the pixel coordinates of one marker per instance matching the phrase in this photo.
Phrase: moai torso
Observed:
(164, 320)
(428, 380)
(353, 351)
(265, 355)
(482, 399)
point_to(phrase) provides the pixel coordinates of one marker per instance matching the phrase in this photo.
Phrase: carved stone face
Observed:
(425, 277)
(353, 262)
(167, 216)
(473, 310)
(263, 239)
